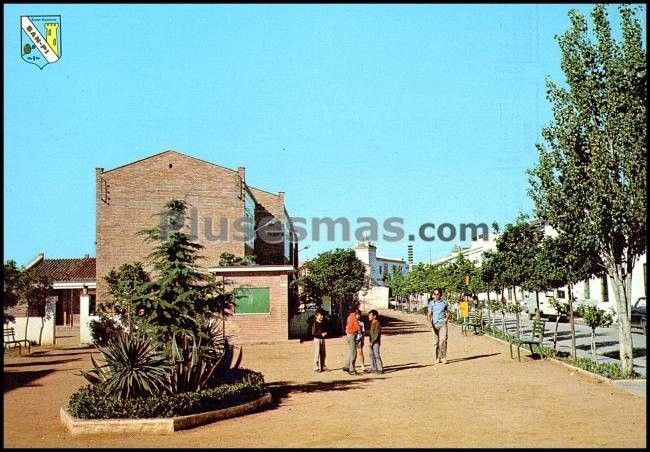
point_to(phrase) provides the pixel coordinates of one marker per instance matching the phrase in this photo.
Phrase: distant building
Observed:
(597, 291)
(378, 269)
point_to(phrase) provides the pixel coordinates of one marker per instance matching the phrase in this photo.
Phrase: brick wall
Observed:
(130, 197)
(261, 327)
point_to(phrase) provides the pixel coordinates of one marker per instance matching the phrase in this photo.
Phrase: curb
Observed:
(571, 366)
(77, 426)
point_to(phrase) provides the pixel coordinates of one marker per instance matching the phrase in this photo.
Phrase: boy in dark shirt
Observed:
(318, 333)
(375, 342)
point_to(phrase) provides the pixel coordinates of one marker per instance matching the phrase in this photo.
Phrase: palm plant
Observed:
(133, 368)
(198, 361)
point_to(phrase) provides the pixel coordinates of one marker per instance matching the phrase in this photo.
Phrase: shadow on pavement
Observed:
(41, 363)
(393, 325)
(467, 358)
(398, 367)
(15, 380)
(636, 353)
(280, 390)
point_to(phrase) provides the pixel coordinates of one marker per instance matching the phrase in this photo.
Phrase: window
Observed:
(92, 304)
(249, 212)
(103, 190)
(604, 290)
(587, 292)
(254, 300)
(380, 269)
(509, 293)
(287, 241)
(561, 293)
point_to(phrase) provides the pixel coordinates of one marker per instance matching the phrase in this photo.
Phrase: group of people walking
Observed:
(438, 314)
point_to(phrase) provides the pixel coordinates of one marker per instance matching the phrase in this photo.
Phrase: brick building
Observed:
(130, 197)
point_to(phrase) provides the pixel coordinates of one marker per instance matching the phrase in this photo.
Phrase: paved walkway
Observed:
(481, 398)
(607, 340)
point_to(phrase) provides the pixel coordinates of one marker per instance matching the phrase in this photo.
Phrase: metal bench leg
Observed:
(518, 353)
(511, 357)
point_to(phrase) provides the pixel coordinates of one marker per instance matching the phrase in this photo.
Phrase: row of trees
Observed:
(589, 183)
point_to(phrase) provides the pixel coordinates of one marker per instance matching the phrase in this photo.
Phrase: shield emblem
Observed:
(40, 39)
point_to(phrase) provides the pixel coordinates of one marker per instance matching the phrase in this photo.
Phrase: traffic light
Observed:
(410, 254)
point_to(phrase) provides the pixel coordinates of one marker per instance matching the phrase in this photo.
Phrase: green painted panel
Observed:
(254, 300)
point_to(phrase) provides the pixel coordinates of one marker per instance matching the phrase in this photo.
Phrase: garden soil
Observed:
(480, 398)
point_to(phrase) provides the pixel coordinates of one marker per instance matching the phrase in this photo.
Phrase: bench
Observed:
(10, 338)
(535, 338)
(474, 321)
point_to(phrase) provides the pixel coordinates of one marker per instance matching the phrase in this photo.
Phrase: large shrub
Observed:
(104, 329)
(238, 386)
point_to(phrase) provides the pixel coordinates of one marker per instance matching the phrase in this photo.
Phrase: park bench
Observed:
(535, 337)
(474, 321)
(10, 338)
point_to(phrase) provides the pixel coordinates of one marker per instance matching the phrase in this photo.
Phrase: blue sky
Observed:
(425, 112)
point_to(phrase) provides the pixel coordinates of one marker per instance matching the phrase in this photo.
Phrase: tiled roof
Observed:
(64, 270)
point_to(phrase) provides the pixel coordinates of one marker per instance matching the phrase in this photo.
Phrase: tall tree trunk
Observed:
(593, 342)
(27, 322)
(557, 322)
(342, 320)
(489, 312)
(514, 294)
(537, 303)
(40, 333)
(573, 326)
(622, 296)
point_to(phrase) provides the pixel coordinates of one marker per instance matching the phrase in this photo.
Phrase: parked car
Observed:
(638, 315)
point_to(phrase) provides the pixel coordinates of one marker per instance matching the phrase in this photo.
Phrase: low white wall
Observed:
(84, 319)
(34, 325)
(376, 297)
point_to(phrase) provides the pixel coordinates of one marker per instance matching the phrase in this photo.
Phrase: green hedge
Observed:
(239, 386)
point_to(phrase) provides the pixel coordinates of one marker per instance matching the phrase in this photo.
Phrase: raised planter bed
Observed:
(78, 426)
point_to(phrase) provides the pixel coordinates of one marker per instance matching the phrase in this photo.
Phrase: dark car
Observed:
(638, 314)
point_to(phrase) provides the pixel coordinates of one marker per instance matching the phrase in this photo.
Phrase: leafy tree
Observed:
(125, 286)
(564, 262)
(594, 317)
(26, 288)
(230, 260)
(562, 309)
(34, 294)
(518, 246)
(337, 273)
(11, 288)
(590, 181)
(396, 282)
(181, 299)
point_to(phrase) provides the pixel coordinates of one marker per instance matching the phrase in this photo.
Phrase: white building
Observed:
(377, 268)
(597, 291)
